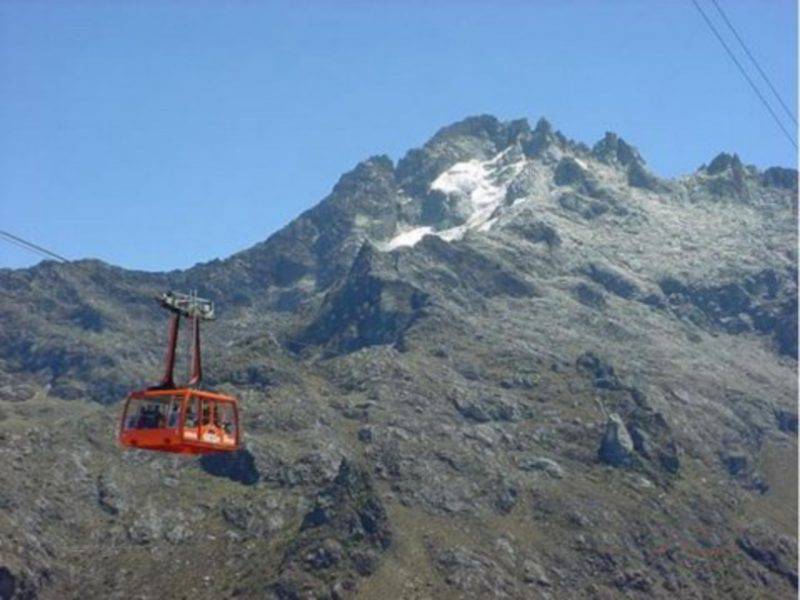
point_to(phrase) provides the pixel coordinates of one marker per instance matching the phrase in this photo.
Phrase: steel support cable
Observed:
(753, 60)
(744, 73)
(31, 246)
(13, 242)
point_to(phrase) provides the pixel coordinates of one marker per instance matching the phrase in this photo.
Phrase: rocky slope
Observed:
(510, 366)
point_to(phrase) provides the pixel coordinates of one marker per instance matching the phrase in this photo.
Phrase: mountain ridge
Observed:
(506, 353)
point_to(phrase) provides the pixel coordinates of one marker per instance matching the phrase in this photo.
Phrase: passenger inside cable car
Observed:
(149, 413)
(191, 425)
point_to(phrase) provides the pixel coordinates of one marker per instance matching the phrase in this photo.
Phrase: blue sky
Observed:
(155, 135)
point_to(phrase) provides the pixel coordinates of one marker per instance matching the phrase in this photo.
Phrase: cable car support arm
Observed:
(195, 309)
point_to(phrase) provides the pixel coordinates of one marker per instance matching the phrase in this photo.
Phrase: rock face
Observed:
(341, 538)
(779, 556)
(425, 361)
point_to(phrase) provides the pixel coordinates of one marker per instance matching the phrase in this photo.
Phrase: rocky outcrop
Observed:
(602, 373)
(589, 295)
(616, 448)
(781, 178)
(728, 177)
(15, 587)
(341, 539)
(777, 555)
(613, 280)
(537, 231)
(613, 149)
(787, 421)
(764, 302)
(640, 177)
(371, 306)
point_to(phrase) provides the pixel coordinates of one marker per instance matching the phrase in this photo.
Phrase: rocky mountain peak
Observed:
(724, 161)
(541, 138)
(376, 170)
(480, 126)
(613, 149)
(779, 177)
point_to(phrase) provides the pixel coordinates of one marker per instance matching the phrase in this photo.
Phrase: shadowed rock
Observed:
(787, 421)
(779, 555)
(239, 466)
(613, 148)
(602, 372)
(781, 178)
(347, 528)
(611, 279)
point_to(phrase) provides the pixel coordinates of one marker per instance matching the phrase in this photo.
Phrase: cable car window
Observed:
(192, 421)
(211, 429)
(227, 420)
(174, 412)
(152, 413)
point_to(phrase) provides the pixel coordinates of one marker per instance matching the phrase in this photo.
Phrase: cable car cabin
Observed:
(180, 418)
(184, 421)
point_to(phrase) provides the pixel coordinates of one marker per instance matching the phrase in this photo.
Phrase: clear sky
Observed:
(155, 135)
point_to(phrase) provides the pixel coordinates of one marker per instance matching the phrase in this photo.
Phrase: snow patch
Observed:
(481, 185)
(407, 238)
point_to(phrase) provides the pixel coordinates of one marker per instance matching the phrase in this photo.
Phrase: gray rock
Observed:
(778, 554)
(736, 462)
(617, 447)
(541, 463)
(506, 499)
(533, 572)
(602, 372)
(569, 172)
(589, 295)
(586, 207)
(781, 178)
(613, 280)
(365, 435)
(613, 149)
(787, 421)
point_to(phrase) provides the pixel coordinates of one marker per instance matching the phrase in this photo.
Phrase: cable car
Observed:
(181, 419)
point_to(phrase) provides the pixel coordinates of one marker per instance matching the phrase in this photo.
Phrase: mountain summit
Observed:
(511, 365)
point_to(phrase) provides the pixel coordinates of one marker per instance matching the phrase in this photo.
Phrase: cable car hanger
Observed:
(195, 309)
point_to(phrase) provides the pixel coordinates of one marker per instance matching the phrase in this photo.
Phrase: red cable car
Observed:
(182, 419)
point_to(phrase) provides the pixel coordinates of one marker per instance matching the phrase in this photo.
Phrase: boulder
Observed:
(611, 279)
(600, 370)
(540, 463)
(787, 421)
(617, 447)
(533, 572)
(589, 295)
(735, 462)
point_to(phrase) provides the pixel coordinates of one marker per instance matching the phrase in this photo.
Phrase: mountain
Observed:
(510, 365)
